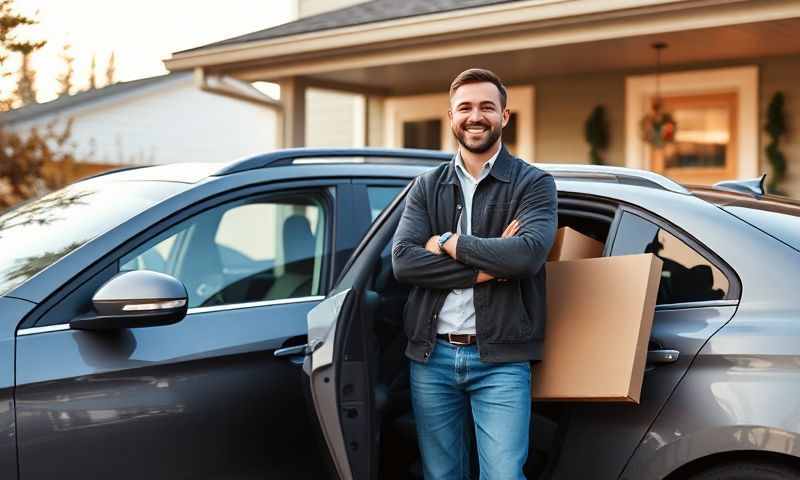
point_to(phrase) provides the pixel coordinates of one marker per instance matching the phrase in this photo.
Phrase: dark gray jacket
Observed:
(510, 315)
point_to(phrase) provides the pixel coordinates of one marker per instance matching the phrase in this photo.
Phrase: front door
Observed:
(693, 302)
(204, 398)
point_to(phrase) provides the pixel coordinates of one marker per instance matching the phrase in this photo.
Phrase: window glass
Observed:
(37, 234)
(380, 197)
(686, 276)
(265, 249)
(423, 134)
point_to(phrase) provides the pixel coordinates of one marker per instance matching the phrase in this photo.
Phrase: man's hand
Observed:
(451, 245)
(432, 245)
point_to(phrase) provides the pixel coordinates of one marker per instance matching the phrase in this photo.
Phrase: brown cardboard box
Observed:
(572, 245)
(599, 317)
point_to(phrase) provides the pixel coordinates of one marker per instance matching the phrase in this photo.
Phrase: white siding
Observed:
(167, 123)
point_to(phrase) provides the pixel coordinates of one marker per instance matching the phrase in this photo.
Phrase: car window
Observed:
(270, 248)
(686, 275)
(380, 197)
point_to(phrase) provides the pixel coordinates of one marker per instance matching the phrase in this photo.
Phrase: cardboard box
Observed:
(570, 244)
(599, 318)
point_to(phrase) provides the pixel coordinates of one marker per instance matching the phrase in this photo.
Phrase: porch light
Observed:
(658, 127)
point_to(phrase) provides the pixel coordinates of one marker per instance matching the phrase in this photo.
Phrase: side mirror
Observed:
(135, 299)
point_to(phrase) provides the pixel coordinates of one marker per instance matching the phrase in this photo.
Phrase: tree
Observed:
(65, 80)
(9, 44)
(111, 69)
(31, 164)
(93, 73)
(25, 93)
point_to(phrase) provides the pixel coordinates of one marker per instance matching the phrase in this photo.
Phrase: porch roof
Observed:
(359, 14)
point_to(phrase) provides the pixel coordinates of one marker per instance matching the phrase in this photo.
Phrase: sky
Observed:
(141, 33)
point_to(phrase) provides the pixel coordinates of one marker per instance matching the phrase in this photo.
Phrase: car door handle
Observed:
(662, 356)
(291, 351)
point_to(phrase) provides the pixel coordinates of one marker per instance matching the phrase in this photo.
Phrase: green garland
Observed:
(595, 131)
(776, 128)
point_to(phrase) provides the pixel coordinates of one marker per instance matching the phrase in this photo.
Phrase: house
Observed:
(724, 61)
(158, 120)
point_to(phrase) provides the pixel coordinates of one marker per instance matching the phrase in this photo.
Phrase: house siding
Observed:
(563, 103)
(173, 123)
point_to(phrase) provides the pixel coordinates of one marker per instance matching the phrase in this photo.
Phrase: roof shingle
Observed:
(359, 14)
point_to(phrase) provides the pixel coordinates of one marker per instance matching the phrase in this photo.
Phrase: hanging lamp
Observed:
(658, 127)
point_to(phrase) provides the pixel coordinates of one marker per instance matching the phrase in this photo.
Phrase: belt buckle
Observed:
(450, 339)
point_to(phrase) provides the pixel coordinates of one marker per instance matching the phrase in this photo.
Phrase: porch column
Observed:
(374, 123)
(293, 99)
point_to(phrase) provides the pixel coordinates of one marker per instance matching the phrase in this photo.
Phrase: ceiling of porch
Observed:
(708, 46)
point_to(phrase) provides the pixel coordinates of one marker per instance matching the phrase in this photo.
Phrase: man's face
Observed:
(476, 117)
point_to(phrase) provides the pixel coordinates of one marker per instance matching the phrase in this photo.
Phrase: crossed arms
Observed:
(468, 260)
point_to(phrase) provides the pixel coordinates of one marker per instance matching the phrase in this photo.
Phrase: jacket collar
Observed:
(500, 170)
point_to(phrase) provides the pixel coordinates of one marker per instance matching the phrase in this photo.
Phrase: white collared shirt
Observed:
(458, 311)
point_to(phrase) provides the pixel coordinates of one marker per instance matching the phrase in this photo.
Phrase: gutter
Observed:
(201, 81)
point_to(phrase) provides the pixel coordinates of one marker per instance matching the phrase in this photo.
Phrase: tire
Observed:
(756, 470)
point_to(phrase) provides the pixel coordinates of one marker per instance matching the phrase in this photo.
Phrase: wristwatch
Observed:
(443, 238)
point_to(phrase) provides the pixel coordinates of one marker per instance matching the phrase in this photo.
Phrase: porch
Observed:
(385, 84)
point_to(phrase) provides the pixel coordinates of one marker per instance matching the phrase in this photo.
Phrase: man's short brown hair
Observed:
(478, 75)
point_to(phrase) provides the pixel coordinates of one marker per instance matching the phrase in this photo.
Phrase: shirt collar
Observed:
(487, 167)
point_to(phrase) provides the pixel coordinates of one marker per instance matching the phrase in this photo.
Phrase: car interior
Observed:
(373, 352)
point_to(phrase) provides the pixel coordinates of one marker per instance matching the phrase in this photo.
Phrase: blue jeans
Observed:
(499, 394)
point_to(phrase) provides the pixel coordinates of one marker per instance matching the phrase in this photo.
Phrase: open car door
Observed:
(338, 366)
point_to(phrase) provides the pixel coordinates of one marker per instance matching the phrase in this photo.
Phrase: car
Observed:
(721, 387)
(87, 392)
(242, 320)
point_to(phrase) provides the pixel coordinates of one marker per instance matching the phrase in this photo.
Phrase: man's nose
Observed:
(475, 115)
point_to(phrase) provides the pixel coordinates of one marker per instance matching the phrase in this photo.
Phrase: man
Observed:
(472, 241)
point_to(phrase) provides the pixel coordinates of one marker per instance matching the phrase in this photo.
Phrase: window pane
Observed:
(380, 197)
(267, 249)
(686, 275)
(423, 134)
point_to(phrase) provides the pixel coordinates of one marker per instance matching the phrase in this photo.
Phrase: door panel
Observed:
(204, 398)
(602, 437)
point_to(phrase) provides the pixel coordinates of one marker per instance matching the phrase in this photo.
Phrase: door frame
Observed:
(640, 89)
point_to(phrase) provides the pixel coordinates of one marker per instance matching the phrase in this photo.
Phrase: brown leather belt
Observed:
(458, 338)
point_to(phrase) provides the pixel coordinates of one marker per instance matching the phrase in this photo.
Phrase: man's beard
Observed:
(482, 147)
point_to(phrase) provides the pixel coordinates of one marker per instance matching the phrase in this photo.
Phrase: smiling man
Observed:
(472, 242)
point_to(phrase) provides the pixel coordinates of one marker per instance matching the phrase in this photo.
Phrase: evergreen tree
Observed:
(43, 159)
(25, 93)
(111, 69)
(66, 79)
(93, 73)
(10, 21)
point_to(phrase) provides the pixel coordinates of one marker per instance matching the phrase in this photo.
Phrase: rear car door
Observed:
(203, 398)
(698, 294)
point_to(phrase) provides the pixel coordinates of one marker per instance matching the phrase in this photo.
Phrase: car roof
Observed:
(360, 161)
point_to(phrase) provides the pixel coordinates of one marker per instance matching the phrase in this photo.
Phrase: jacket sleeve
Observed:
(524, 254)
(411, 262)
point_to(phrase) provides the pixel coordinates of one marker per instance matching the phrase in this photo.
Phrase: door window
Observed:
(380, 197)
(686, 275)
(269, 248)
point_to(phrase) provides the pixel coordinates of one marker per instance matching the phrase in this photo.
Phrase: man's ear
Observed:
(450, 114)
(506, 117)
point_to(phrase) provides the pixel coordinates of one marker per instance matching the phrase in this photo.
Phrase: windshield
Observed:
(35, 235)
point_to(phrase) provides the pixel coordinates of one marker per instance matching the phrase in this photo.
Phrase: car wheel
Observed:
(748, 471)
